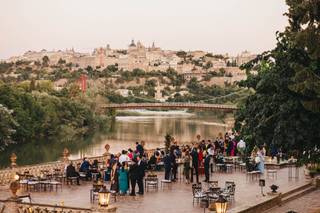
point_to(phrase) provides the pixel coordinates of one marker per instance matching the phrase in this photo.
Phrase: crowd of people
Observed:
(129, 166)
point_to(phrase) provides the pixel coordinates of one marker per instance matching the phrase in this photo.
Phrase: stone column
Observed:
(105, 209)
(13, 159)
(11, 205)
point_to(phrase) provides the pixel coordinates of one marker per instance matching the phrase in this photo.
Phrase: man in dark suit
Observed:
(71, 172)
(139, 148)
(140, 174)
(195, 164)
(206, 167)
(167, 166)
(133, 174)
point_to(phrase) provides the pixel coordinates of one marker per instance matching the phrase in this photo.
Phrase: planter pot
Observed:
(306, 172)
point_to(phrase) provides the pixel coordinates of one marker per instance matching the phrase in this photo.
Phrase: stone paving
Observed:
(308, 203)
(177, 199)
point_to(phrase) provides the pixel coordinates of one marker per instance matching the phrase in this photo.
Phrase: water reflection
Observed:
(152, 127)
(123, 132)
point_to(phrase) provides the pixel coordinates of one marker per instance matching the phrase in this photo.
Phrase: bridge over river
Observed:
(171, 105)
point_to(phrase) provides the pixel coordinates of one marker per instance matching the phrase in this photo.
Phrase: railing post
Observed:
(65, 155)
(13, 159)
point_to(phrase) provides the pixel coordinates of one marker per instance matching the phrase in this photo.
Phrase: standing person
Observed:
(206, 167)
(241, 147)
(200, 156)
(133, 174)
(140, 174)
(217, 145)
(124, 157)
(115, 178)
(260, 155)
(130, 154)
(233, 147)
(211, 153)
(186, 166)
(173, 163)
(195, 164)
(167, 166)
(123, 179)
(139, 148)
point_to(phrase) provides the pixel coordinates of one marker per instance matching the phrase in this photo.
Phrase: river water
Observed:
(124, 131)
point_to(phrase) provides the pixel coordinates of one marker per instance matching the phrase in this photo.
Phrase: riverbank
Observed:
(122, 132)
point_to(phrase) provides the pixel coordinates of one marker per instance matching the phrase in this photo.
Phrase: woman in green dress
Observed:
(123, 179)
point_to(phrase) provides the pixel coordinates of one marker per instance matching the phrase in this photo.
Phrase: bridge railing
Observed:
(171, 105)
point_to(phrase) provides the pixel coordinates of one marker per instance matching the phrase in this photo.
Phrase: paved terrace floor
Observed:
(177, 199)
(308, 203)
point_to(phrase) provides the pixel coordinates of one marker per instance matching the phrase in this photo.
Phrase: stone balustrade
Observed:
(42, 208)
(6, 175)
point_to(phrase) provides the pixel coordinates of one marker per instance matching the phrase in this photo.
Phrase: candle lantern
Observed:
(104, 197)
(221, 205)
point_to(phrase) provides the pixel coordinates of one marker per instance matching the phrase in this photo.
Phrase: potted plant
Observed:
(274, 188)
(311, 160)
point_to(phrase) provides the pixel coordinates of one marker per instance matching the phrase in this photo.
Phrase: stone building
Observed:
(244, 57)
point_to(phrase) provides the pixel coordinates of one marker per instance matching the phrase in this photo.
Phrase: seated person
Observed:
(250, 166)
(95, 165)
(220, 160)
(85, 167)
(95, 169)
(71, 172)
(152, 161)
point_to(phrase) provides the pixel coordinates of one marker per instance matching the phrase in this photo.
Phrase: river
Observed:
(124, 131)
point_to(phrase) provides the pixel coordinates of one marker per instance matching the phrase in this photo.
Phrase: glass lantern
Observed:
(221, 205)
(104, 197)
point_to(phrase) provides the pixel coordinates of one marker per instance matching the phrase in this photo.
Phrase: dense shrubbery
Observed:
(40, 116)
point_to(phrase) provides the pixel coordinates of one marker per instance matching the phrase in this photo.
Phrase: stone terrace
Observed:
(308, 203)
(176, 199)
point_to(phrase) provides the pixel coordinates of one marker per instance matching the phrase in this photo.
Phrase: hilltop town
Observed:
(137, 56)
(139, 71)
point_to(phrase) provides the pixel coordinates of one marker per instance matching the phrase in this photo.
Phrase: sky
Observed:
(218, 26)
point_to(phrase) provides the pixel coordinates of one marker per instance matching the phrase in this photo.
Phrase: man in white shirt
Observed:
(241, 146)
(123, 157)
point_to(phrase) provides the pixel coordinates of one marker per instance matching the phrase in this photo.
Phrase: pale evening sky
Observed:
(218, 26)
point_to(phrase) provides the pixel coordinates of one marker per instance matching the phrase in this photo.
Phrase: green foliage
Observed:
(7, 127)
(45, 61)
(181, 54)
(168, 139)
(284, 111)
(40, 116)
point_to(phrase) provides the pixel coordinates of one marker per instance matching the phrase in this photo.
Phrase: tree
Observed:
(45, 61)
(7, 127)
(181, 54)
(284, 111)
(194, 86)
(61, 61)
(167, 142)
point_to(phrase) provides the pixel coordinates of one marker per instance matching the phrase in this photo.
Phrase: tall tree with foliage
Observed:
(7, 127)
(285, 109)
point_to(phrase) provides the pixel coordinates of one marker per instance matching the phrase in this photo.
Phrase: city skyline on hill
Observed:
(220, 27)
